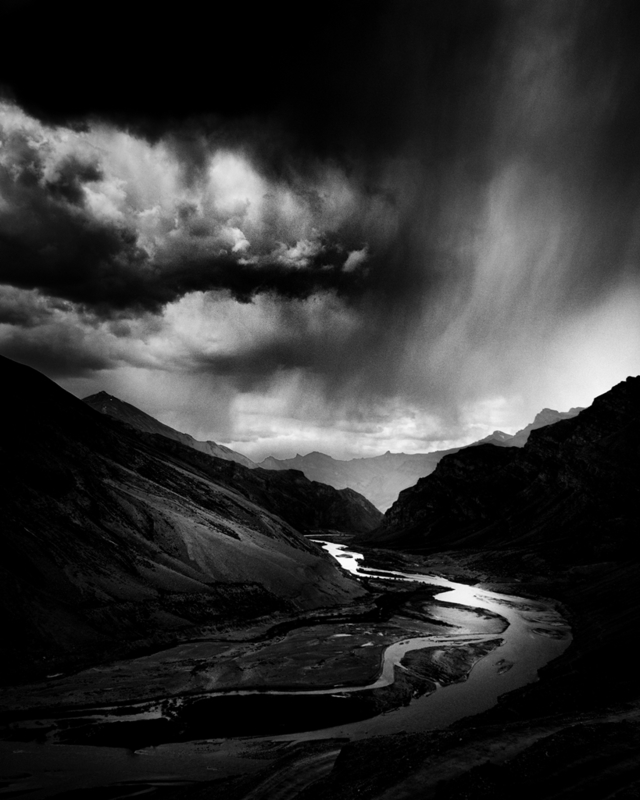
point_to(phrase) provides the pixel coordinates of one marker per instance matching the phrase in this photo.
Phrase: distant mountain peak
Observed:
(548, 416)
(101, 395)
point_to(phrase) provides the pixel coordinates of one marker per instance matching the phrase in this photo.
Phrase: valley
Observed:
(184, 626)
(320, 400)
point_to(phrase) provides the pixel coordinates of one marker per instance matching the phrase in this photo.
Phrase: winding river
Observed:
(534, 635)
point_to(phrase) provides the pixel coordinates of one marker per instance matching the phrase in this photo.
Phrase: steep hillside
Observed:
(112, 536)
(572, 489)
(118, 409)
(304, 503)
(307, 505)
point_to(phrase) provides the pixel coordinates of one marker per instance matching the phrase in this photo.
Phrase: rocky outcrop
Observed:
(112, 536)
(571, 490)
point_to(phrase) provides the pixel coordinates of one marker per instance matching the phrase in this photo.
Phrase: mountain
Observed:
(570, 491)
(381, 478)
(307, 504)
(118, 409)
(111, 536)
(548, 416)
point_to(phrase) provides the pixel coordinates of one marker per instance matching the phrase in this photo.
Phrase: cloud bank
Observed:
(111, 222)
(444, 242)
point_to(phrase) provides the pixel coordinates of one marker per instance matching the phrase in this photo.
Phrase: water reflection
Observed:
(515, 663)
(346, 558)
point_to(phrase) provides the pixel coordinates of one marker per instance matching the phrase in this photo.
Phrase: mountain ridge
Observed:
(381, 478)
(571, 482)
(120, 409)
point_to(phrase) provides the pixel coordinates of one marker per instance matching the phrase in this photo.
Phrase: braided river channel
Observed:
(213, 708)
(536, 634)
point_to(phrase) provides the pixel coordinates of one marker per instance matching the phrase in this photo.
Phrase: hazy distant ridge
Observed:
(381, 478)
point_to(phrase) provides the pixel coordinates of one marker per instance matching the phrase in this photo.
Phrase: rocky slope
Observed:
(111, 536)
(571, 490)
(125, 412)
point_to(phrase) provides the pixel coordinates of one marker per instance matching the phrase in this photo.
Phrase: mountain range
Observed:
(379, 478)
(571, 489)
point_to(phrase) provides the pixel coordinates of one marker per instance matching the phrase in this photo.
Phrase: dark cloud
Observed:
(59, 351)
(23, 309)
(455, 91)
(71, 175)
(461, 175)
(52, 240)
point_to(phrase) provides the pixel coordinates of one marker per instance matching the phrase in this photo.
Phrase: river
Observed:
(532, 634)
(536, 634)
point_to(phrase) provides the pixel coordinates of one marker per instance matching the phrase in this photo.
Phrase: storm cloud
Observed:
(113, 222)
(417, 214)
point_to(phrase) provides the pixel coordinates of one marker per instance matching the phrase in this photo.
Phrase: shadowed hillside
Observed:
(571, 491)
(125, 412)
(307, 504)
(112, 536)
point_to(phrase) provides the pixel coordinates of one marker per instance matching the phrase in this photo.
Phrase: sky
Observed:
(349, 227)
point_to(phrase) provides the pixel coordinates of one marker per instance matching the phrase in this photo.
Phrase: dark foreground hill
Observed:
(111, 536)
(572, 490)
